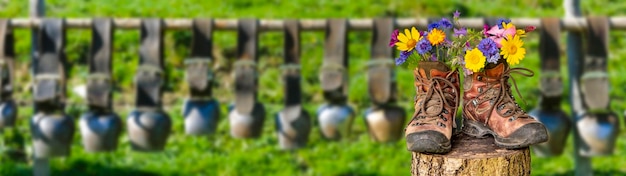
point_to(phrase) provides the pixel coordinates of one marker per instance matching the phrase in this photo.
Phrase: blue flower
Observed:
(432, 26)
(460, 32)
(457, 14)
(489, 48)
(445, 23)
(423, 46)
(403, 56)
(502, 20)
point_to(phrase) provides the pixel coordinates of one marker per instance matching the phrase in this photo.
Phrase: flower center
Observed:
(411, 43)
(512, 49)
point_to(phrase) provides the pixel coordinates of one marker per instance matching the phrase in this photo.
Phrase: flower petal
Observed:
(403, 38)
(415, 34)
(402, 46)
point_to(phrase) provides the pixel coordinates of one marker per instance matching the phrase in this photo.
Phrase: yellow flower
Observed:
(475, 60)
(408, 39)
(436, 36)
(507, 25)
(512, 50)
(520, 33)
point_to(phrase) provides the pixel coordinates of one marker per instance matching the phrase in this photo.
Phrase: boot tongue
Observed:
(432, 67)
(495, 70)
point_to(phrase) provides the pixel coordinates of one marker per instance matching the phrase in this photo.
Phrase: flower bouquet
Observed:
(488, 105)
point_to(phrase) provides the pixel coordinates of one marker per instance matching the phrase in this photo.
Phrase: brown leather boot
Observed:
(436, 102)
(490, 108)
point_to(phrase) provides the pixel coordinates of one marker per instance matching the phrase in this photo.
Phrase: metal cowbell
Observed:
(385, 124)
(549, 111)
(8, 108)
(100, 127)
(200, 110)
(293, 123)
(52, 130)
(597, 125)
(149, 126)
(384, 120)
(335, 118)
(247, 117)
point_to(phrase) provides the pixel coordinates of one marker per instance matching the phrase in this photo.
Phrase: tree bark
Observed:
(473, 156)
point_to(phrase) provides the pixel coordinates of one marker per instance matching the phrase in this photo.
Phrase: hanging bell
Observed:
(597, 124)
(384, 120)
(52, 135)
(148, 130)
(247, 124)
(200, 110)
(247, 115)
(100, 127)
(148, 125)
(8, 109)
(52, 130)
(8, 114)
(293, 126)
(335, 121)
(385, 124)
(551, 86)
(201, 117)
(100, 131)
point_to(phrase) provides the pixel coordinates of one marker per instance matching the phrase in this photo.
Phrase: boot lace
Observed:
(440, 91)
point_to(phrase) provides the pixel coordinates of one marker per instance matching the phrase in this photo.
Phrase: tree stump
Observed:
(473, 156)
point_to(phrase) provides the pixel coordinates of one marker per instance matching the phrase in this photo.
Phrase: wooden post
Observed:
(473, 156)
(574, 59)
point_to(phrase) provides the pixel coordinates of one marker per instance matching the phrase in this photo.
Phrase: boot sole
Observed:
(428, 142)
(529, 134)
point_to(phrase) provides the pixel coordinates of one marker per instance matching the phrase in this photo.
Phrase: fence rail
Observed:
(568, 23)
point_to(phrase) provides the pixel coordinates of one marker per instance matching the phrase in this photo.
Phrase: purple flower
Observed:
(433, 58)
(457, 14)
(489, 49)
(423, 46)
(467, 71)
(445, 23)
(460, 32)
(432, 26)
(485, 29)
(467, 46)
(394, 38)
(403, 56)
(502, 20)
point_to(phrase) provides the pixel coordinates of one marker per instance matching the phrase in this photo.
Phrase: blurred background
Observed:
(220, 154)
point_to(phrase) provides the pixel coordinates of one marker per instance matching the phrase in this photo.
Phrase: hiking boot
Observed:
(490, 108)
(436, 102)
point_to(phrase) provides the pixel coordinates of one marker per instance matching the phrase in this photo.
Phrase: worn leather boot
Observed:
(490, 108)
(436, 102)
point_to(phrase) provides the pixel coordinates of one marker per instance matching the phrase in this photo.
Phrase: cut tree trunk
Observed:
(473, 156)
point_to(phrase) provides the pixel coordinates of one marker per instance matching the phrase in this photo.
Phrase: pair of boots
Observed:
(488, 109)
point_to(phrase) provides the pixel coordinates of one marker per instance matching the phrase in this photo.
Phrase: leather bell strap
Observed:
(380, 73)
(594, 82)
(551, 84)
(99, 83)
(149, 79)
(291, 69)
(199, 75)
(49, 67)
(245, 73)
(333, 74)
(7, 55)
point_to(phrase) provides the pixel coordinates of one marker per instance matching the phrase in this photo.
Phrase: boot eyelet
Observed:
(480, 90)
(441, 125)
(445, 111)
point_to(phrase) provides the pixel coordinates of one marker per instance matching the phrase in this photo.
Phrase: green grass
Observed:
(222, 155)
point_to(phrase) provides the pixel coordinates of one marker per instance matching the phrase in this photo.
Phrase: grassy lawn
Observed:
(220, 154)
